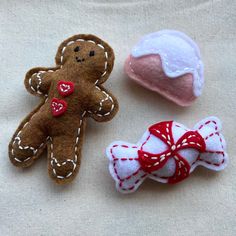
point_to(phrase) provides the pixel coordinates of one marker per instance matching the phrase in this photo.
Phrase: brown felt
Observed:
(87, 61)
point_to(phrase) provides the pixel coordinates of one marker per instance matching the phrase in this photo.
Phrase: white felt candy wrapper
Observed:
(168, 152)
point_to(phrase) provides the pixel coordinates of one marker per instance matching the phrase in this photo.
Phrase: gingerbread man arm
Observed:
(102, 105)
(38, 80)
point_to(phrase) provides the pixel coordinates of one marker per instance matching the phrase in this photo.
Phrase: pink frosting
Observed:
(148, 72)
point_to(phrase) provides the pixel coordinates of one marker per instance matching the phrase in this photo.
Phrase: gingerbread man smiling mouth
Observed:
(70, 92)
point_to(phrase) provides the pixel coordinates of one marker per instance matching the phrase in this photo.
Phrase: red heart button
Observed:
(65, 88)
(58, 107)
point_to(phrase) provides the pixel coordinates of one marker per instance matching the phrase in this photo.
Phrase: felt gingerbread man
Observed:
(70, 92)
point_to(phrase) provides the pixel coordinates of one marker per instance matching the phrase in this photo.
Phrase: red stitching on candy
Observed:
(208, 122)
(210, 151)
(210, 135)
(125, 146)
(145, 141)
(128, 177)
(211, 163)
(136, 182)
(125, 159)
(218, 134)
(217, 152)
(176, 125)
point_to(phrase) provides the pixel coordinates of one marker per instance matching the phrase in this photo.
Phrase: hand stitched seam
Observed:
(124, 159)
(208, 122)
(108, 97)
(212, 152)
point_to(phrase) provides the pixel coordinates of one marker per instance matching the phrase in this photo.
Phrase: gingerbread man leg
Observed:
(64, 153)
(24, 147)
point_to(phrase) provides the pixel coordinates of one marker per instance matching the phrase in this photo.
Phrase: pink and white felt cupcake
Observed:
(167, 62)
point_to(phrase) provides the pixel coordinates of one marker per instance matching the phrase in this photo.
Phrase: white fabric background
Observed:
(31, 204)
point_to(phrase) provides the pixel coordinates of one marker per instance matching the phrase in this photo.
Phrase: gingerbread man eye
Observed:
(76, 49)
(91, 53)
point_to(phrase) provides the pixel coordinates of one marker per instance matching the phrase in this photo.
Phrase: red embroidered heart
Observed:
(65, 88)
(58, 107)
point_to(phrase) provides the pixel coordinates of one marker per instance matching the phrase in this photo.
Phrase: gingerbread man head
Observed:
(87, 56)
(71, 92)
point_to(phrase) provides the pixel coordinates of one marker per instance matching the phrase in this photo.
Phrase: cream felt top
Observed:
(31, 204)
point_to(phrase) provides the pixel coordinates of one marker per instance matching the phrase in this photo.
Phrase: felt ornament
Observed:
(167, 152)
(167, 62)
(71, 92)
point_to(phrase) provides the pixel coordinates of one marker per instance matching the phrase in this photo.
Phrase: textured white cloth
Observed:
(31, 204)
